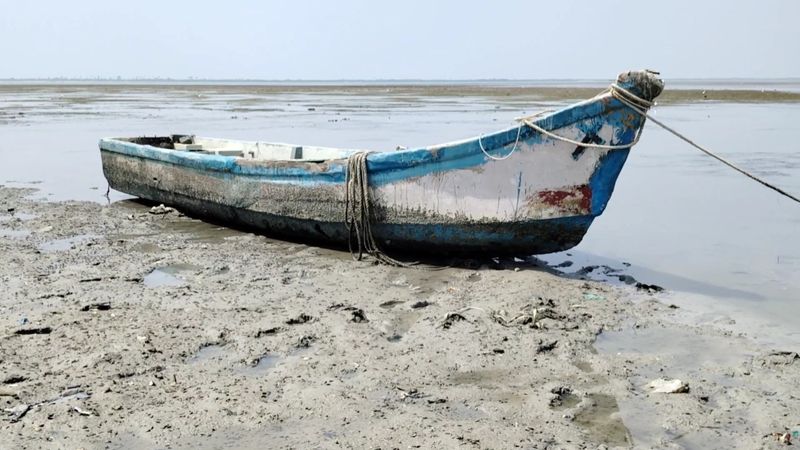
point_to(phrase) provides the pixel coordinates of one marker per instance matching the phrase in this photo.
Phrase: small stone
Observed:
(161, 209)
(665, 386)
(359, 316)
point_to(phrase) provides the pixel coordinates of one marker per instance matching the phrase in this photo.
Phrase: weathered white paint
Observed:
(505, 190)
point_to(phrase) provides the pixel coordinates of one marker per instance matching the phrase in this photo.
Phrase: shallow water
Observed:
(261, 366)
(719, 241)
(169, 275)
(211, 352)
(674, 348)
(601, 420)
(703, 360)
(4, 232)
(58, 245)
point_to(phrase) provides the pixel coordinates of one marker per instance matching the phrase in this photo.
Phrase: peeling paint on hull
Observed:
(450, 197)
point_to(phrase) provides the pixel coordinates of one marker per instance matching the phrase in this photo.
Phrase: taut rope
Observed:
(635, 103)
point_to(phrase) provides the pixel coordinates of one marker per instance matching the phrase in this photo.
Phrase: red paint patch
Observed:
(580, 196)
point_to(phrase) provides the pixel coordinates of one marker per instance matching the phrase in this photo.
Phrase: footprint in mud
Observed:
(563, 398)
(584, 366)
(599, 417)
(421, 282)
(399, 325)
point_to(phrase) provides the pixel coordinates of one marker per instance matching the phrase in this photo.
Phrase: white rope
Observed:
(501, 158)
(527, 122)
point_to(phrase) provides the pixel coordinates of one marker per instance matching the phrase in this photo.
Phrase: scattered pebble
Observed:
(452, 318)
(359, 316)
(34, 330)
(667, 386)
(102, 306)
(301, 319)
(14, 379)
(161, 209)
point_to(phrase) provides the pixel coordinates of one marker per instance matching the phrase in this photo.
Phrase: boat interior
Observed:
(267, 151)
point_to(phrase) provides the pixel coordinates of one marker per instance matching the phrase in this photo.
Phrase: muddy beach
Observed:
(126, 329)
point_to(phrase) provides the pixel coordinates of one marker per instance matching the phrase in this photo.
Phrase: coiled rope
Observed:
(358, 214)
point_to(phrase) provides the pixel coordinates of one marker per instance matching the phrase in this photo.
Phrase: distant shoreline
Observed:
(390, 81)
(674, 92)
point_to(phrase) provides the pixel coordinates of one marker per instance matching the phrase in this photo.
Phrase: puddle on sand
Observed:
(168, 275)
(202, 231)
(567, 401)
(268, 361)
(207, 353)
(287, 434)
(674, 353)
(584, 366)
(14, 234)
(262, 365)
(17, 215)
(57, 245)
(146, 247)
(676, 348)
(480, 377)
(602, 422)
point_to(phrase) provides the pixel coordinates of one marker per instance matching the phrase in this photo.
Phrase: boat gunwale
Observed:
(287, 169)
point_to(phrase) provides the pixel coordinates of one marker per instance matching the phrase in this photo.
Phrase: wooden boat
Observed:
(528, 189)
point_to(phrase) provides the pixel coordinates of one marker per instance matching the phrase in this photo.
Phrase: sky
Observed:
(408, 39)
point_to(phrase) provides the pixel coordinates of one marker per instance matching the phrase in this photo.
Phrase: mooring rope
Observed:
(640, 105)
(528, 122)
(358, 214)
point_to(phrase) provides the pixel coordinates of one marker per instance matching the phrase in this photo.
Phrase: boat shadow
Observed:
(414, 259)
(577, 266)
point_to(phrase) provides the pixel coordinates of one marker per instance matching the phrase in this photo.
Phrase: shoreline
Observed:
(161, 330)
(513, 94)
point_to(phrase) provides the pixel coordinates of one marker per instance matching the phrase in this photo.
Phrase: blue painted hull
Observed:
(450, 197)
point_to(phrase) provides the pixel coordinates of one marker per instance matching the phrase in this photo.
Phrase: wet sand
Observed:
(124, 329)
